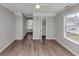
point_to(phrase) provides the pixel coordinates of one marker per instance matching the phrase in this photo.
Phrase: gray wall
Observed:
(21, 29)
(73, 47)
(37, 27)
(50, 27)
(7, 27)
(24, 25)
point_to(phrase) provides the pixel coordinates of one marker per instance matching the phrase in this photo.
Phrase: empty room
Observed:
(39, 29)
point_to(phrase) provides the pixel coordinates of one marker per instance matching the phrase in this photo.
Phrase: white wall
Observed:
(20, 26)
(37, 27)
(50, 27)
(74, 48)
(7, 27)
(24, 26)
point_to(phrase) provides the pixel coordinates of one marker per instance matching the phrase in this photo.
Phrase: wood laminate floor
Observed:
(29, 47)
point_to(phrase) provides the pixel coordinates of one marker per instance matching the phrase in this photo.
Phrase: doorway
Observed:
(39, 28)
(29, 29)
(43, 30)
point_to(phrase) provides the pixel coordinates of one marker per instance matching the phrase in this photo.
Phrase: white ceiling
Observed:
(29, 8)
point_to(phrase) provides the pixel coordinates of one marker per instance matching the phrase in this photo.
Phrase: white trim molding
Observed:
(68, 48)
(7, 46)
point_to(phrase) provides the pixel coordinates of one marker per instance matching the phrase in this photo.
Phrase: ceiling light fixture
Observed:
(37, 6)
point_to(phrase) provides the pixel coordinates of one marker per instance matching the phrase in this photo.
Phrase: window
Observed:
(71, 26)
(30, 24)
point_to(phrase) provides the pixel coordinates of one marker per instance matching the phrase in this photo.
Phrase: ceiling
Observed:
(29, 8)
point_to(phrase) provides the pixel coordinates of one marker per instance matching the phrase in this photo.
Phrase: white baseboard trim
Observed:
(18, 39)
(46, 39)
(36, 39)
(7, 46)
(50, 38)
(68, 48)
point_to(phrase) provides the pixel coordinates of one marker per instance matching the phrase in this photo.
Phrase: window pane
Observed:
(29, 24)
(71, 26)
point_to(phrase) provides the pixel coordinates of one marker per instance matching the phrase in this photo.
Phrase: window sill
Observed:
(74, 41)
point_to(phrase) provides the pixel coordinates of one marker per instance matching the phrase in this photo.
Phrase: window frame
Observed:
(64, 34)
